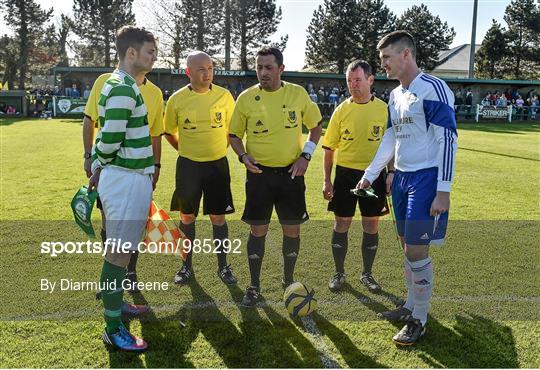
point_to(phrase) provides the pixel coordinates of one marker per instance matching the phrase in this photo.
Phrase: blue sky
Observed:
(297, 15)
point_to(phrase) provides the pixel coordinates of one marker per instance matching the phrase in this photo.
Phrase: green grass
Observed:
(484, 313)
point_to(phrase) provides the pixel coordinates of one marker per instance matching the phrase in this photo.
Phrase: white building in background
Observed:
(454, 62)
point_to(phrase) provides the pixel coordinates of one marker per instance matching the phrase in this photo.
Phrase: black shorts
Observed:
(343, 204)
(193, 179)
(274, 187)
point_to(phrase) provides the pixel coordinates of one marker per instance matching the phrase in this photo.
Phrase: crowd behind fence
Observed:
(43, 101)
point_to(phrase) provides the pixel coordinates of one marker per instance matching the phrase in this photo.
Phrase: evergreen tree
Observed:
(203, 22)
(8, 60)
(252, 23)
(374, 21)
(523, 20)
(331, 36)
(430, 33)
(28, 20)
(64, 28)
(96, 23)
(489, 59)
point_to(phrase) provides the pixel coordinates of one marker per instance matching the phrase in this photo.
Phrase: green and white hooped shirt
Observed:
(124, 140)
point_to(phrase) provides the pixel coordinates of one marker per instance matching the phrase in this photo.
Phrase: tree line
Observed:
(339, 31)
(512, 51)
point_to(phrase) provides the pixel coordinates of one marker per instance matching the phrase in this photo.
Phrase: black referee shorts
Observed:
(274, 187)
(195, 179)
(343, 204)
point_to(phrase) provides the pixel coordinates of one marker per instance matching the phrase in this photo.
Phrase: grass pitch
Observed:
(484, 312)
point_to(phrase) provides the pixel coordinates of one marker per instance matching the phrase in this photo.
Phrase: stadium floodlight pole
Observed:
(473, 40)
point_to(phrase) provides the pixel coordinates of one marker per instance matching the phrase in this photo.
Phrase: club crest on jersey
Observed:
(412, 98)
(292, 116)
(218, 117)
(376, 133)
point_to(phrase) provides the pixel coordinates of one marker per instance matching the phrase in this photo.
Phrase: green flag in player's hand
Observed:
(82, 206)
(364, 193)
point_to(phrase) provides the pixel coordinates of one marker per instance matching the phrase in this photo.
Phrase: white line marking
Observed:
(274, 304)
(316, 338)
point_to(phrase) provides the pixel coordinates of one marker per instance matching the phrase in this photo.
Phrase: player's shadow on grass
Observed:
(373, 304)
(472, 342)
(349, 351)
(202, 317)
(273, 341)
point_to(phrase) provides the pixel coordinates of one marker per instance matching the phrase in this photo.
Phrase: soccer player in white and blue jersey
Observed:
(422, 137)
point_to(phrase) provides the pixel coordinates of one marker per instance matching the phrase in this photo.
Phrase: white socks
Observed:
(422, 287)
(409, 303)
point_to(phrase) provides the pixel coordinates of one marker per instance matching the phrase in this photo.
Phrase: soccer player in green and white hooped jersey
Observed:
(122, 172)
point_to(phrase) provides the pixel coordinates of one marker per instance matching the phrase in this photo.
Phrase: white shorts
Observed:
(125, 196)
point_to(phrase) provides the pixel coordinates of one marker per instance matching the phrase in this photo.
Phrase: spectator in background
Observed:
(502, 101)
(493, 98)
(535, 107)
(469, 97)
(519, 101)
(86, 92)
(333, 98)
(75, 93)
(57, 91)
(314, 98)
(459, 97)
(67, 83)
(487, 100)
(342, 98)
(11, 109)
(167, 95)
(321, 94)
(385, 95)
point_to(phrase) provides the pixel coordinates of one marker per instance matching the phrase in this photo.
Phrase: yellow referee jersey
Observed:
(272, 122)
(201, 121)
(152, 96)
(355, 131)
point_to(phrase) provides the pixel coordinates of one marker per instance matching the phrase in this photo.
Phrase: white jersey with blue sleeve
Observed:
(423, 131)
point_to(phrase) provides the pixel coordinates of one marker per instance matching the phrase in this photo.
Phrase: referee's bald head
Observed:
(196, 57)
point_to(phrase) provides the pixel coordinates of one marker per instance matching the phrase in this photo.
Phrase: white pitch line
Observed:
(59, 315)
(316, 338)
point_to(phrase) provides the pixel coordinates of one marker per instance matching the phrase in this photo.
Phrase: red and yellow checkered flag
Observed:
(166, 235)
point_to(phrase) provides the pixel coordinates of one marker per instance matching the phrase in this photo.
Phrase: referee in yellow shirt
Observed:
(153, 99)
(271, 115)
(355, 132)
(197, 119)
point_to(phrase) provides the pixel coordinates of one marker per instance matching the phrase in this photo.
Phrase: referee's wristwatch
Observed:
(241, 157)
(87, 155)
(306, 156)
